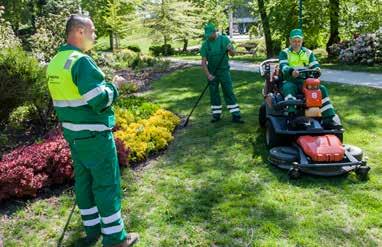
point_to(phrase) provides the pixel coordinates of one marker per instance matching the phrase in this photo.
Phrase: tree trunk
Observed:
(334, 12)
(266, 28)
(185, 44)
(165, 46)
(116, 41)
(111, 41)
(230, 19)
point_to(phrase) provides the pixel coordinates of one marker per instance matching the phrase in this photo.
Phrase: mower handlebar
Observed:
(285, 103)
(266, 62)
(308, 73)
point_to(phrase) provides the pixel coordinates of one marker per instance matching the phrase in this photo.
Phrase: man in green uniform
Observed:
(215, 64)
(296, 57)
(82, 100)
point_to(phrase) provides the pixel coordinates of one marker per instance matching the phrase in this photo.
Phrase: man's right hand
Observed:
(119, 81)
(210, 77)
(295, 73)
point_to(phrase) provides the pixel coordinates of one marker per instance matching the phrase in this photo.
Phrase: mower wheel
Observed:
(271, 138)
(285, 154)
(355, 151)
(262, 115)
(294, 173)
(362, 172)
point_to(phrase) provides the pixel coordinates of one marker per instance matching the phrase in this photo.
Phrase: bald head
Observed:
(80, 32)
(76, 21)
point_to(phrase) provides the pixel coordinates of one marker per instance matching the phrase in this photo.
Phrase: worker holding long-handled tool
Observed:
(215, 64)
(82, 99)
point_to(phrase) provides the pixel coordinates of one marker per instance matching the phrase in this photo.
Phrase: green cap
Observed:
(208, 30)
(296, 33)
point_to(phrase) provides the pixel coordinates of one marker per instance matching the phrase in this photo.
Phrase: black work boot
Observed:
(332, 123)
(237, 119)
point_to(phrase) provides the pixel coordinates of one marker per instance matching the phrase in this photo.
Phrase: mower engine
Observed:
(313, 97)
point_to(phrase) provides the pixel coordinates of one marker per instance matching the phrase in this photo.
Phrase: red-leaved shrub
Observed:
(25, 170)
(123, 153)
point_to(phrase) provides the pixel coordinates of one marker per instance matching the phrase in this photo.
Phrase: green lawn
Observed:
(214, 186)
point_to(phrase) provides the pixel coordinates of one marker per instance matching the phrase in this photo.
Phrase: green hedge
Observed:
(22, 82)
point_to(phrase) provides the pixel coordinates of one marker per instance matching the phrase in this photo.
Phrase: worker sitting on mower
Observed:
(293, 59)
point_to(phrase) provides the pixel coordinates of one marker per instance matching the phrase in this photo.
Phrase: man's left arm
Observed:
(91, 84)
(313, 62)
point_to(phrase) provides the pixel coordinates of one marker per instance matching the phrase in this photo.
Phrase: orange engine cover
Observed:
(327, 148)
(312, 92)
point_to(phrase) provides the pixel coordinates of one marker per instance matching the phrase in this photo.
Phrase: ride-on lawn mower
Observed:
(300, 143)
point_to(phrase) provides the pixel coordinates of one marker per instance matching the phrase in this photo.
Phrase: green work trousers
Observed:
(97, 184)
(290, 89)
(223, 78)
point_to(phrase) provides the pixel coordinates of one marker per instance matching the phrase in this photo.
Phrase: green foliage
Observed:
(124, 58)
(50, 28)
(216, 11)
(128, 88)
(320, 53)
(359, 17)
(315, 19)
(97, 10)
(17, 12)
(156, 50)
(139, 107)
(118, 19)
(134, 48)
(22, 80)
(162, 50)
(112, 16)
(20, 116)
(3, 141)
(170, 19)
(7, 37)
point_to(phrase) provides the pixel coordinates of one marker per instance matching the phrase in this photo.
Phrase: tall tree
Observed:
(117, 21)
(334, 14)
(171, 19)
(113, 18)
(266, 28)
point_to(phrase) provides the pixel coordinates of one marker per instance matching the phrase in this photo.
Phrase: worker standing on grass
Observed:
(215, 64)
(82, 100)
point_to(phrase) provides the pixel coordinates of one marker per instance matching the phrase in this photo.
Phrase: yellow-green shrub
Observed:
(146, 135)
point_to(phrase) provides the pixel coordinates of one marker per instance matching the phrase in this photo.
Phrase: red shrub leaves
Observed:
(27, 169)
(123, 153)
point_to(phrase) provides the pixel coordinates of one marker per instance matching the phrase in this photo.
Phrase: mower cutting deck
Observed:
(300, 143)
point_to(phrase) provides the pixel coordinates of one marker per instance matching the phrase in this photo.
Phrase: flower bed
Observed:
(143, 128)
(148, 136)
